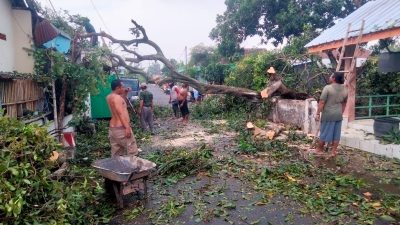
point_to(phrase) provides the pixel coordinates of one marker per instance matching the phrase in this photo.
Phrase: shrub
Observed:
(29, 196)
(26, 190)
(209, 108)
(372, 82)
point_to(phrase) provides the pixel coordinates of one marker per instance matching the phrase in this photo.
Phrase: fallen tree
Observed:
(275, 87)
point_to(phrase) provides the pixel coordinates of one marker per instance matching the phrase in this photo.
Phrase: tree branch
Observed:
(121, 62)
(142, 38)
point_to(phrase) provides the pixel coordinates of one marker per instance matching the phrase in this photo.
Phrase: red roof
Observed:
(44, 32)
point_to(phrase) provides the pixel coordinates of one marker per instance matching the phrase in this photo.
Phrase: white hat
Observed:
(143, 85)
(271, 70)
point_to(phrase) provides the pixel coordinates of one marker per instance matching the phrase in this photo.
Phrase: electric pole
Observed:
(186, 57)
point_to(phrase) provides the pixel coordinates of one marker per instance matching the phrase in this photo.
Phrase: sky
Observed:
(172, 24)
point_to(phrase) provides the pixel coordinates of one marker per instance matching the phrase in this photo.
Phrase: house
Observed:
(375, 20)
(19, 95)
(20, 29)
(48, 36)
(15, 38)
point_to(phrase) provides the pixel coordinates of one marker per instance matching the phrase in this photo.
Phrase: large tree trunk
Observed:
(61, 113)
(64, 89)
(276, 87)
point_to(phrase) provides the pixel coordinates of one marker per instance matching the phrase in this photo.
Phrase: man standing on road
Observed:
(183, 103)
(146, 108)
(173, 99)
(332, 104)
(122, 139)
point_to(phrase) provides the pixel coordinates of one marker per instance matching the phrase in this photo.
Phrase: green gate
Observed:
(374, 106)
(99, 106)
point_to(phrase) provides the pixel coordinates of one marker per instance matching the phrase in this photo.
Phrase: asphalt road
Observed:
(159, 97)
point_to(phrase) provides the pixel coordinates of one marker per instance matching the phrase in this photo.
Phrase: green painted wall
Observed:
(98, 102)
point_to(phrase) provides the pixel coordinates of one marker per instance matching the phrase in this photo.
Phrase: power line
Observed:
(52, 6)
(101, 18)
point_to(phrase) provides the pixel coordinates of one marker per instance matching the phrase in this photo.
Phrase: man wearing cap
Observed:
(146, 108)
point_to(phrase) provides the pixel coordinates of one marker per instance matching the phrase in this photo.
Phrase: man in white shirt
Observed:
(173, 99)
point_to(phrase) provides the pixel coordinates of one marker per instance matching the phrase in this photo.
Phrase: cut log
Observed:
(270, 134)
(276, 88)
(264, 134)
(258, 131)
(54, 156)
(264, 93)
(277, 128)
(250, 125)
(273, 87)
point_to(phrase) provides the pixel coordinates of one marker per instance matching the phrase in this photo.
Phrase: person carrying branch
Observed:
(331, 104)
(122, 139)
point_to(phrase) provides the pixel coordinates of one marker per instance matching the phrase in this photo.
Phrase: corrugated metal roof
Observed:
(379, 15)
(45, 31)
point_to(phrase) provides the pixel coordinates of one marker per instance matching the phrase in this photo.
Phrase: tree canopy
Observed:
(274, 20)
(154, 69)
(201, 55)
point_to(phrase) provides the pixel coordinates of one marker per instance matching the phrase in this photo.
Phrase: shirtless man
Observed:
(183, 104)
(122, 139)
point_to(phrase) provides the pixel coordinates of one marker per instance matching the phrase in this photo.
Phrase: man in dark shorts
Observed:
(183, 104)
(332, 104)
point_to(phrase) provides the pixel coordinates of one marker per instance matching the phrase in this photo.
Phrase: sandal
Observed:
(316, 152)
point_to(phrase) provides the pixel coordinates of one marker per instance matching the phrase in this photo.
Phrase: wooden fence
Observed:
(16, 96)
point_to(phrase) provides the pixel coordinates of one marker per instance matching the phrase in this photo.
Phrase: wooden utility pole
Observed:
(186, 57)
(350, 83)
(55, 117)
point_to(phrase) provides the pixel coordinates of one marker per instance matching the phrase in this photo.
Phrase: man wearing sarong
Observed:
(121, 137)
(332, 104)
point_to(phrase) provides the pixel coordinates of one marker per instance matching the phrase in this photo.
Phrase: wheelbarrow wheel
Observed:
(108, 187)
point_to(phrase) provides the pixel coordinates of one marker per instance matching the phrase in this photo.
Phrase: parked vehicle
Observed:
(133, 85)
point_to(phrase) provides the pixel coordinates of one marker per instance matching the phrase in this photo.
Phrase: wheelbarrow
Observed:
(124, 174)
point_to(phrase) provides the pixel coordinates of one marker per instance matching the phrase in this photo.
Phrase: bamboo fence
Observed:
(19, 95)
